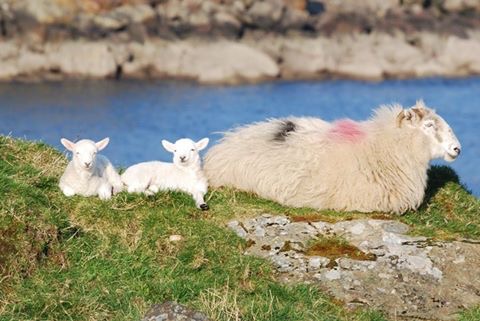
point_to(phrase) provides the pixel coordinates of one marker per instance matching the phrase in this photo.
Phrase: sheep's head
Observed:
(185, 151)
(443, 142)
(84, 151)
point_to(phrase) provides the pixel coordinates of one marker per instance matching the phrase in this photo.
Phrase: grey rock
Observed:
(411, 275)
(172, 311)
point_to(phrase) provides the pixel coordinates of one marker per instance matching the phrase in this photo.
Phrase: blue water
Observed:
(137, 115)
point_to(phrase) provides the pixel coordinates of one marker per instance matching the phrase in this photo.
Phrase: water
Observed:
(137, 115)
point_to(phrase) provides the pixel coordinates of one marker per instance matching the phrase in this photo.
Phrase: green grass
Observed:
(85, 259)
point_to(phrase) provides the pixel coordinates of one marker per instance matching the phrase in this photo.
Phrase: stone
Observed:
(82, 59)
(219, 62)
(237, 228)
(175, 238)
(227, 23)
(172, 311)
(413, 275)
(332, 275)
(265, 14)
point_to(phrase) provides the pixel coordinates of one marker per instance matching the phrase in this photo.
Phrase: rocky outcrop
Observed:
(404, 276)
(239, 40)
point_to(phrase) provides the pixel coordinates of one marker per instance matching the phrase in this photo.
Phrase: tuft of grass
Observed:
(85, 259)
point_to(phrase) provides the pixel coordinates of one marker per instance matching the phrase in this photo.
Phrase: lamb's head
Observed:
(443, 142)
(84, 151)
(185, 151)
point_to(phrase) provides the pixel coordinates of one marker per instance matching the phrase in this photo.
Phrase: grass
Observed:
(84, 259)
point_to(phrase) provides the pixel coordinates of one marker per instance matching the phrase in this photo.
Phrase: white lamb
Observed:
(184, 174)
(88, 173)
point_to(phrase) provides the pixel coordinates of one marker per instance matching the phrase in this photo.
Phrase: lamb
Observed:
(88, 173)
(375, 165)
(184, 174)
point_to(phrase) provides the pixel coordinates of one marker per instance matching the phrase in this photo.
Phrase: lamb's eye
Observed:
(78, 153)
(192, 150)
(429, 124)
(175, 151)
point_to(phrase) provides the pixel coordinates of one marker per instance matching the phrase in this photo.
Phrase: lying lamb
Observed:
(89, 174)
(184, 174)
(375, 165)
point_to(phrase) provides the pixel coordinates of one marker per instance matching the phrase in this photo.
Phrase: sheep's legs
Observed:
(199, 201)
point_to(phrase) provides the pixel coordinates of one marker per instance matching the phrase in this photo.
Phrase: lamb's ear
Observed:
(202, 143)
(102, 144)
(68, 144)
(168, 146)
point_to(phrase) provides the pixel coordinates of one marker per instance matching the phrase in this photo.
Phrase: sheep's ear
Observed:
(412, 115)
(202, 143)
(68, 144)
(168, 146)
(102, 144)
(420, 104)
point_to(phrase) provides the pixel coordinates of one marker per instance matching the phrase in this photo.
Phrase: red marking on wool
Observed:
(346, 130)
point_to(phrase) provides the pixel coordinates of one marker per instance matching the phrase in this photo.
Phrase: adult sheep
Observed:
(375, 165)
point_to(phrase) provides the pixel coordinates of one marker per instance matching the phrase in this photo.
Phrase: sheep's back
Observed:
(267, 158)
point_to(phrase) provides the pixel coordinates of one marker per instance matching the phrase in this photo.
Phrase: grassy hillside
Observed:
(84, 259)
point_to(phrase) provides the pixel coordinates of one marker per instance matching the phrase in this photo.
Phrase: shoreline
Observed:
(362, 57)
(236, 42)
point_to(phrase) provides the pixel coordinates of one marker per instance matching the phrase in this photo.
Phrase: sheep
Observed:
(88, 173)
(184, 174)
(378, 165)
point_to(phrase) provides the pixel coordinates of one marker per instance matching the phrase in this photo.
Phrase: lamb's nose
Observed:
(182, 158)
(457, 150)
(87, 164)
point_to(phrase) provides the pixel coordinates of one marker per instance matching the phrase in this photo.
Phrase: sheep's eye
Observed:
(429, 124)
(192, 150)
(175, 151)
(78, 153)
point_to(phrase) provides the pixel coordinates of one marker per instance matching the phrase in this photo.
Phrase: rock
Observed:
(332, 275)
(219, 62)
(265, 14)
(460, 5)
(305, 58)
(172, 311)
(40, 11)
(82, 59)
(175, 238)
(421, 278)
(227, 23)
(237, 228)
(123, 16)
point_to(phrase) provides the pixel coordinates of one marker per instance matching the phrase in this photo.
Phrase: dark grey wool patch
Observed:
(284, 129)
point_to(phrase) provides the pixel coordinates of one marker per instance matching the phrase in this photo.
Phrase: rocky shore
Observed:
(237, 41)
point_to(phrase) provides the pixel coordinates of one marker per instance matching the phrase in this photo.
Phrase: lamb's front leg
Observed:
(105, 191)
(67, 190)
(199, 201)
(114, 179)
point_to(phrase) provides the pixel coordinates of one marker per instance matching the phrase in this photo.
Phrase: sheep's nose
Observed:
(87, 164)
(182, 158)
(457, 150)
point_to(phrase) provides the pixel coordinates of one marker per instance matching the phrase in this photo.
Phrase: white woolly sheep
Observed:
(184, 174)
(88, 173)
(375, 165)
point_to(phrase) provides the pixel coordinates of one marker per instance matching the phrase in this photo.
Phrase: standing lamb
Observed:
(375, 165)
(88, 173)
(184, 174)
